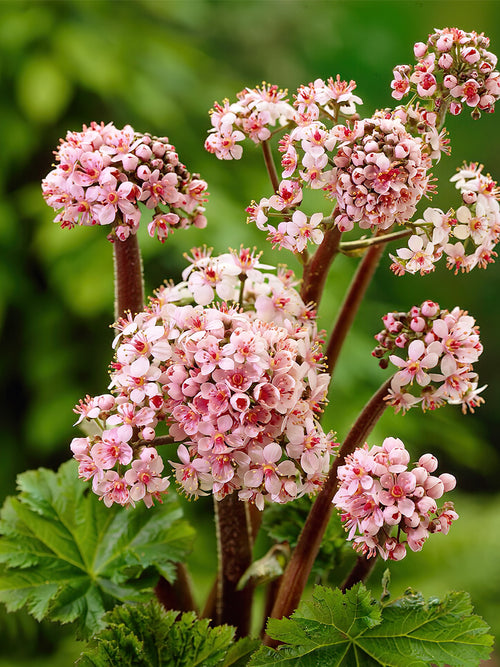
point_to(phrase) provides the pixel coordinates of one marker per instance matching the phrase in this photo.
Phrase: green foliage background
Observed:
(159, 65)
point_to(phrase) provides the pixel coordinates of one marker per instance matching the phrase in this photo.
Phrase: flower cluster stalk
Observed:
(359, 285)
(234, 546)
(129, 283)
(298, 569)
(178, 595)
(360, 572)
(316, 270)
(270, 166)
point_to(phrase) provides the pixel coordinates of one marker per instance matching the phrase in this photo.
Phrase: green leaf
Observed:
(66, 556)
(148, 636)
(239, 653)
(352, 629)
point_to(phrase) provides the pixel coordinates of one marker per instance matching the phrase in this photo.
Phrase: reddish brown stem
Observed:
(298, 569)
(316, 270)
(352, 301)
(234, 541)
(129, 287)
(360, 572)
(179, 595)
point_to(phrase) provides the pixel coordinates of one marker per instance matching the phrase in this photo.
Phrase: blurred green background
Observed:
(159, 65)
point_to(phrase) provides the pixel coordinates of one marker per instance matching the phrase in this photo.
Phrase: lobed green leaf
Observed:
(66, 556)
(340, 630)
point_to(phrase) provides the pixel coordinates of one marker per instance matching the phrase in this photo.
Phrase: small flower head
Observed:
(103, 173)
(439, 349)
(455, 69)
(386, 506)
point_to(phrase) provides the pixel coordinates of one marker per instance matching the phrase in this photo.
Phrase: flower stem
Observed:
(350, 246)
(234, 545)
(316, 270)
(129, 284)
(352, 301)
(270, 166)
(298, 569)
(179, 595)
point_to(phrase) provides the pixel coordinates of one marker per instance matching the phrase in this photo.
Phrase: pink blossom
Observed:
(418, 359)
(380, 508)
(240, 394)
(102, 173)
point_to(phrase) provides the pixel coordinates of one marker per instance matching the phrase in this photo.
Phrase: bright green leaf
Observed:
(68, 557)
(340, 630)
(147, 636)
(240, 652)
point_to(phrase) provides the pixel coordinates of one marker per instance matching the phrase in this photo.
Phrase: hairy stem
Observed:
(234, 542)
(156, 442)
(316, 270)
(298, 569)
(129, 284)
(352, 301)
(255, 519)
(270, 166)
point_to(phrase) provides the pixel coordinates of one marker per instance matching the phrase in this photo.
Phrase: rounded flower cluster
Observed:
(474, 227)
(439, 348)
(453, 68)
(238, 383)
(385, 507)
(103, 173)
(381, 172)
(256, 110)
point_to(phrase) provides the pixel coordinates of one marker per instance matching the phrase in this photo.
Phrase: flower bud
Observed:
(419, 49)
(434, 487)
(448, 480)
(429, 308)
(429, 462)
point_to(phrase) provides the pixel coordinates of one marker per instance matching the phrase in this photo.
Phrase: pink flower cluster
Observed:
(103, 173)
(98, 456)
(381, 172)
(259, 109)
(377, 173)
(385, 507)
(453, 68)
(439, 347)
(256, 110)
(236, 378)
(475, 228)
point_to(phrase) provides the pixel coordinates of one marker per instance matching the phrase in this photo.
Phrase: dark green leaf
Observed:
(340, 630)
(66, 556)
(239, 653)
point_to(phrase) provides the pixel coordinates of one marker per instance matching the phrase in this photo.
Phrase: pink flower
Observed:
(400, 85)
(113, 448)
(418, 359)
